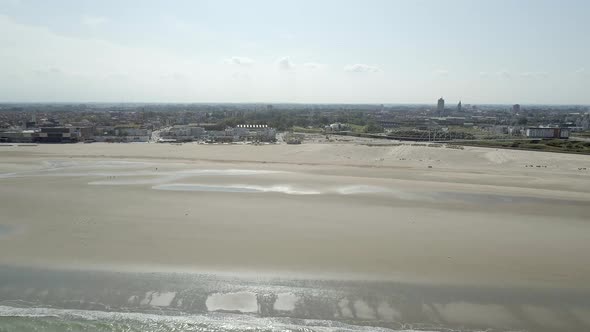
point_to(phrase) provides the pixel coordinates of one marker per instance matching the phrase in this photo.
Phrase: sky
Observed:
(304, 51)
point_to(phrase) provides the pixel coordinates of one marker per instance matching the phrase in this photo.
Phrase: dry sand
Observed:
(478, 216)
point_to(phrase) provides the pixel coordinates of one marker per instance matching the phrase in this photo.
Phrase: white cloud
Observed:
(582, 72)
(361, 68)
(285, 63)
(51, 71)
(175, 77)
(484, 74)
(241, 76)
(504, 74)
(239, 61)
(88, 69)
(94, 21)
(534, 74)
(441, 72)
(79, 67)
(312, 65)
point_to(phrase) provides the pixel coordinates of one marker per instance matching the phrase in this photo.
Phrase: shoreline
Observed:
(206, 298)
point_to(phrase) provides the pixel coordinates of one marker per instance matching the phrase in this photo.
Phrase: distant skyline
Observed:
(390, 52)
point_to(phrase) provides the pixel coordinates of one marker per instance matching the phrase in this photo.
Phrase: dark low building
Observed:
(548, 132)
(17, 137)
(55, 135)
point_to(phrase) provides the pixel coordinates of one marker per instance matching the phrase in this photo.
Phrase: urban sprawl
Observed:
(260, 123)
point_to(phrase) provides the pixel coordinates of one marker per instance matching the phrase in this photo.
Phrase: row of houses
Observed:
(260, 133)
(123, 134)
(180, 133)
(548, 132)
(73, 134)
(46, 135)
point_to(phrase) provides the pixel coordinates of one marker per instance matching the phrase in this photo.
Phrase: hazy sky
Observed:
(493, 51)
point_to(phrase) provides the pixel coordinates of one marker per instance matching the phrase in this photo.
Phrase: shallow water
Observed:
(34, 299)
(238, 188)
(36, 319)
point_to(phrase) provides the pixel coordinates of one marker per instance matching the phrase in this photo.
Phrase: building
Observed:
(22, 136)
(132, 131)
(337, 126)
(386, 123)
(83, 133)
(243, 132)
(56, 135)
(548, 132)
(440, 107)
(584, 121)
(184, 132)
(516, 108)
(258, 132)
(118, 134)
(459, 106)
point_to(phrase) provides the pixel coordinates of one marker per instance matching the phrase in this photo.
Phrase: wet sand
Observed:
(478, 216)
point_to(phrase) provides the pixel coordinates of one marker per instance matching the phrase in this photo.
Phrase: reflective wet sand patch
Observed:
(240, 301)
(237, 188)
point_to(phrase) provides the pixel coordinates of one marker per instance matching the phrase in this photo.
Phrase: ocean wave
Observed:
(33, 319)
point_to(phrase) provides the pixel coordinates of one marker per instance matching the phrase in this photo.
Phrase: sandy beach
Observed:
(406, 236)
(427, 214)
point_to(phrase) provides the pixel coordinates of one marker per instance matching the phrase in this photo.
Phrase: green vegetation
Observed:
(553, 145)
(297, 129)
(355, 128)
(300, 119)
(432, 134)
(370, 128)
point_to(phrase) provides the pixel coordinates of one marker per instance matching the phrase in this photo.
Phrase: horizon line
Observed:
(280, 103)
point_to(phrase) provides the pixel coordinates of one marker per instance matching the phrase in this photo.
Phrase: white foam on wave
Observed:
(210, 322)
(236, 188)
